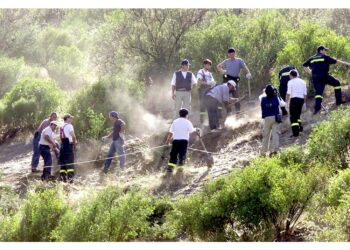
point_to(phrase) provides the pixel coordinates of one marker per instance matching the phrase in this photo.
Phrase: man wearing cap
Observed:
(230, 68)
(46, 144)
(318, 66)
(220, 94)
(117, 144)
(181, 85)
(68, 142)
(36, 153)
(206, 81)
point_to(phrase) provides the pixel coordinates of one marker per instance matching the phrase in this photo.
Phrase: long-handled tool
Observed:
(209, 159)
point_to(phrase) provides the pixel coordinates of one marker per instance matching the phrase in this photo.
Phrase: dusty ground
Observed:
(232, 148)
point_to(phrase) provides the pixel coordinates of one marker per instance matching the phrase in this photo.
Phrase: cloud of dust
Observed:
(141, 122)
(233, 122)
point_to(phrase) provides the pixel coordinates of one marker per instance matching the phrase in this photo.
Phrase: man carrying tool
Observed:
(296, 97)
(46, 144)
(283, 76)
(179, 133)
(318, 66)
(181, 85)
(117, 144)
(215, 96)
(230, 68)
(206, 81)
(68, 143)
(36, 153)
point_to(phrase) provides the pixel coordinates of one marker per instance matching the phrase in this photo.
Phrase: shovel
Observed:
(209, 159)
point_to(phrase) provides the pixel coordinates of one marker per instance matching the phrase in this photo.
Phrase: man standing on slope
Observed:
(230, 68)
(36, 153)
(181, 85)
(296, 97)
(318, 66)
(205, 81)
(117, 144)
(179, 133)
(69, 141)
(46, 144)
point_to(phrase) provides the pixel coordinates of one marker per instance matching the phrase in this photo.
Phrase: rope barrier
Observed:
(135, 152)
(117, 156)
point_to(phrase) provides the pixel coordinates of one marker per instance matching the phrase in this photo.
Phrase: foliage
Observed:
(29, 102)
(329, 141)
(90, 106)
(11, 70)
(111, 215)
(260, 201)
(66, 67)
(38, 216)
(302, 43)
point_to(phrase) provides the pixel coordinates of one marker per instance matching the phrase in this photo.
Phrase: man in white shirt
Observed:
(206, 81)
(296, 97)
(181, 85)
(69, 140)
(179, 133)
(46, 143)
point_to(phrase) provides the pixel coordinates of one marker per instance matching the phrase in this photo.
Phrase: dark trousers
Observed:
(36, 151)
(295, 108)
(202, 109)
(213, 112)
(319, 84)
(235, 94)
(66, 160)
(178, 153)
(45, 152)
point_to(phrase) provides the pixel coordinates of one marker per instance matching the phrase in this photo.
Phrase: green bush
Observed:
(91, 105)
(29, 102)
(67, 67)
(257, 203)
(38, 216)
(11, 70)
(330, 209)
(329, 142)
(302, 43)
(111, 215)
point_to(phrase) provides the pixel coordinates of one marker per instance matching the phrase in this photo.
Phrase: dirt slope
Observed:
(233, 147)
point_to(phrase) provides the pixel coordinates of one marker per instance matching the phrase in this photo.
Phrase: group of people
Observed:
(44, 142)
(292, 95)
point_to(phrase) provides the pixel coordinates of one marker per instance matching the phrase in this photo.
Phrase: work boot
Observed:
(35, 170)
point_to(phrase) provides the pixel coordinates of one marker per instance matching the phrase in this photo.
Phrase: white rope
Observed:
(117, 156)
(203, 151)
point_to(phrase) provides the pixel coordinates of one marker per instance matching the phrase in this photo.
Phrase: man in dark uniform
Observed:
(318, 66)
(283, 76)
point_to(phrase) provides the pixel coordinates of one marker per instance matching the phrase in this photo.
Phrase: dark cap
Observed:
(321, 47)
(113, 114)
(231, 50)
(206, 61)
(269, 90)
(66, 116)
(185, 62)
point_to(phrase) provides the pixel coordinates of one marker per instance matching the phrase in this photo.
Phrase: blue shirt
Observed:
(116, 128)
(220, 92)
(269, 106)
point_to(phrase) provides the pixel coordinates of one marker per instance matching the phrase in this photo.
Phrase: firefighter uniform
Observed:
(66, 157)
(283, 76)
(319, 64)
(297, 93)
